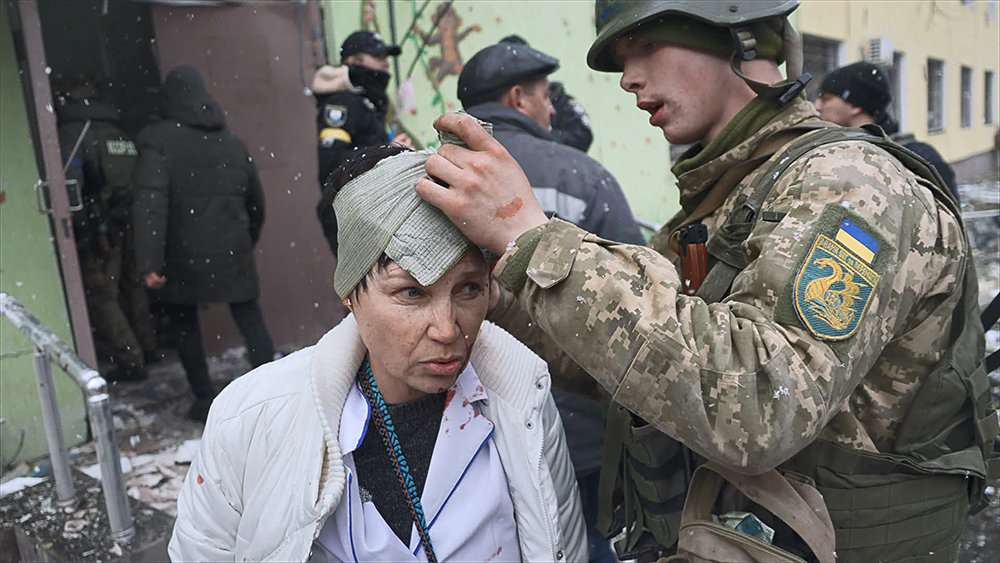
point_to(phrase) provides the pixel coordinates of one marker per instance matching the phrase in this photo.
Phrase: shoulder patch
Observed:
(120, 147)
(835, 283)
(329, 136)
(334, 115)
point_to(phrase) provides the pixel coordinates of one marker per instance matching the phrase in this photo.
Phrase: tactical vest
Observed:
(107, 184)
(910, 504)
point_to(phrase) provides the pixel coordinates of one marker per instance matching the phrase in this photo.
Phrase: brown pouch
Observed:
(789, 498)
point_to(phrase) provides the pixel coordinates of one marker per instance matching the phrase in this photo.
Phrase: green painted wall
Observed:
(29, 272)
(625, 143)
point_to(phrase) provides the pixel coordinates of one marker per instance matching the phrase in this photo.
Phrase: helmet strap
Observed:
(745, 49)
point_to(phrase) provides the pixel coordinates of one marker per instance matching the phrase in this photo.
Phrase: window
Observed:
(966, 97)
(819, 57)
(935, 96)
(990, 88)
(991, 10)
(896, 81)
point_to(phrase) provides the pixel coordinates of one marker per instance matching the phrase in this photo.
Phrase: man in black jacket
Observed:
(352, 104)
(570, 123)
(858, 94)
(507, 84)
(198, 211)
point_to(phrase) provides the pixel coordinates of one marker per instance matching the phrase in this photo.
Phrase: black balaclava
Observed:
(372, 83)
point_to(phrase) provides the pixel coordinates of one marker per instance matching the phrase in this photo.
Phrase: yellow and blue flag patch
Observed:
(836, 282)
(857, 241)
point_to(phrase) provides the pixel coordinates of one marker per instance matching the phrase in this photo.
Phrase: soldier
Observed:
(352, 105)
(507, 85)
(836, 335)
(100, 158)
(858, 94)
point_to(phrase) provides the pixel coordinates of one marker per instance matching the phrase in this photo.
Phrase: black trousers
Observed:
(249, 319)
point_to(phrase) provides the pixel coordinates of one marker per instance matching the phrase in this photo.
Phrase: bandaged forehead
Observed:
(379, 211)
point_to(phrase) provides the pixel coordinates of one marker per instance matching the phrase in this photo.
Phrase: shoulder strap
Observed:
(76, 147)
(797, 504)
(725, 246)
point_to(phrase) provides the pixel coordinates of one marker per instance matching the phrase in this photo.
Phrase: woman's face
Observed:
(419, 338)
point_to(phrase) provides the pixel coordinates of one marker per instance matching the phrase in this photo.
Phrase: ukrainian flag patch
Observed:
(857, 241)
(836, 282)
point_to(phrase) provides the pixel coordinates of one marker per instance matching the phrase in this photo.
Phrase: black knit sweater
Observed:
(417, 425)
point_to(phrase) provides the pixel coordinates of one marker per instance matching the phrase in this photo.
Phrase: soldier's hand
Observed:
(489, 197)
(154, 280)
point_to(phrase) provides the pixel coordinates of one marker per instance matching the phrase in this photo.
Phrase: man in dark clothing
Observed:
(352, 105)
(100, 157)
(570, 124)
(507, 85)
(859, 94)
(929, 153)
(198, 211)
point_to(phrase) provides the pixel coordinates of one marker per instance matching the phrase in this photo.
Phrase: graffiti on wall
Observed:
(445, 35)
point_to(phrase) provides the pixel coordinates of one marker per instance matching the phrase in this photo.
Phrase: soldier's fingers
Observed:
(468, 129)
(441, 167)
(436, 195)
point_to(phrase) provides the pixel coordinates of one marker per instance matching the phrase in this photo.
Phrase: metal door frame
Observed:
(41, 109)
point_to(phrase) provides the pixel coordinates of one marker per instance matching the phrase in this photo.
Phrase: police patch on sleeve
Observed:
(334, 115)
(836, 281)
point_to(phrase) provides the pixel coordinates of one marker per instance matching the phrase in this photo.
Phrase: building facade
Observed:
(942, 58)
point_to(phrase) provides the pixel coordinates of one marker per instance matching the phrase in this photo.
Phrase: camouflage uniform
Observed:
(102, 166)
(752, 380)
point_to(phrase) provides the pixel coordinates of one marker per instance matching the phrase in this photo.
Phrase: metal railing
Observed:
(49, 349)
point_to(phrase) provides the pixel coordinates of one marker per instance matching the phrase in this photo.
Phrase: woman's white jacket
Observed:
(270, 471)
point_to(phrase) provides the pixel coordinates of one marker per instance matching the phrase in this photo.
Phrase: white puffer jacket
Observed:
(270, 470)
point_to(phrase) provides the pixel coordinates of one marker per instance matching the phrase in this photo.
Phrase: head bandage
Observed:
(379, 211)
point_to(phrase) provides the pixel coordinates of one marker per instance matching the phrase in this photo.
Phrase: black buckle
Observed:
(794, 89)
(744, 42)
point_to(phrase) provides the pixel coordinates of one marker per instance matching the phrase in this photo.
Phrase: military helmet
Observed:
(614, 17)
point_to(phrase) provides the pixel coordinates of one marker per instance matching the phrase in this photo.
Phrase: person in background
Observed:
(100, 157)
(352, 105)
(412, 431)
(197, 215)
(507, 85)
(859, 94)
(570, 123)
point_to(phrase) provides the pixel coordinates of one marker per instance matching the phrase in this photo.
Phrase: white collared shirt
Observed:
(466, 501)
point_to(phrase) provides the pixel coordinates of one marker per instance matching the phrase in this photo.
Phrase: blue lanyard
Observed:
(386, 430)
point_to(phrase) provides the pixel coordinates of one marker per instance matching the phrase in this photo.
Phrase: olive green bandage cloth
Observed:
(379, 211)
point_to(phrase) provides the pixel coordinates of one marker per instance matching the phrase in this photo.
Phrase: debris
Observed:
(18, 483)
